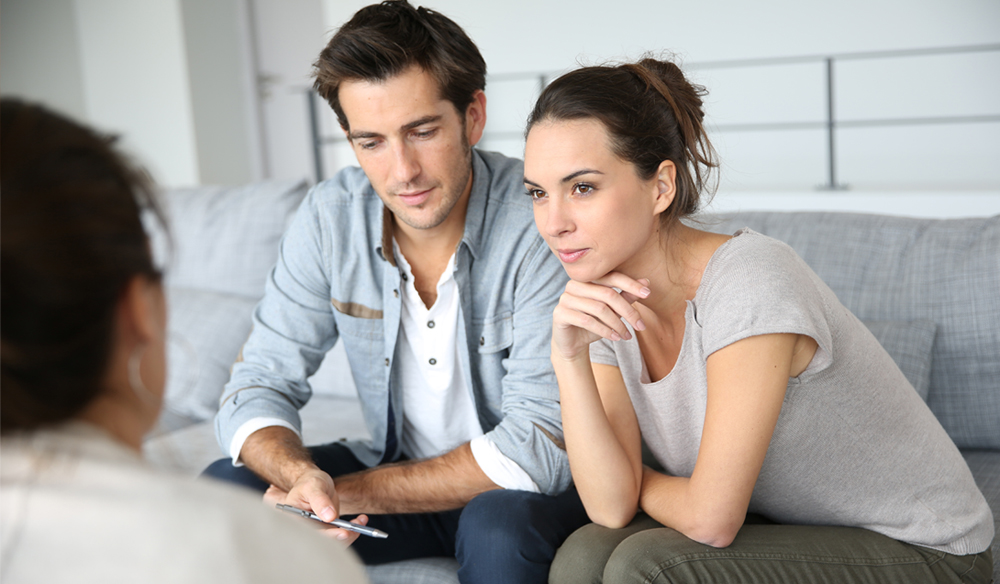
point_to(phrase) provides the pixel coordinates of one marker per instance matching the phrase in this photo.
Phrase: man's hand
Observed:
(313, 491)
(316, 492)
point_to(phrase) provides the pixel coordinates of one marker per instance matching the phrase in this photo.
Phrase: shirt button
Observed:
(482, 341)
(430, 324)
(395, 293)
(433, 361)
(387, 362)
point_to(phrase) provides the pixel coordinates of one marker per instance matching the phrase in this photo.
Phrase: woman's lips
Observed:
(568, 256)
(416, 198)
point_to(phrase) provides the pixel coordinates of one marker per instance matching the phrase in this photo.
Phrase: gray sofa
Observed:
(928, 289)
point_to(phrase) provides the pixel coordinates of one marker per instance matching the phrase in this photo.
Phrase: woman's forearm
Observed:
(607, 480)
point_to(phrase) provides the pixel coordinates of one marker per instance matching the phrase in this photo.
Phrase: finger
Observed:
(346, 536)
(321, 502)
(606, 289)
(618, 306)
(630, 298)
(631, 289)
(590, 315)
(273, 495)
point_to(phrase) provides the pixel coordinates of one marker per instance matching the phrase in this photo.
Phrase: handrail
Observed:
(830, 123)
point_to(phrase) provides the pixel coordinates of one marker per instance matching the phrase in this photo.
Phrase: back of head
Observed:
(383, 40)
(72, 239)
(651, 112)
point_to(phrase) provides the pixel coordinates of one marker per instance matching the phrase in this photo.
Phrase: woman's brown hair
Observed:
(651, 112)
(72, 240)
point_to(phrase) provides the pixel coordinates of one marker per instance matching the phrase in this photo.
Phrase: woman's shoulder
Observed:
(749, 261)
(88, 496)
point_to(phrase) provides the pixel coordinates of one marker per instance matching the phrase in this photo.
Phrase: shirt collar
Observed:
(475, 215)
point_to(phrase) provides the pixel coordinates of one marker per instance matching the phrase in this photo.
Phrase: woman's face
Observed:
(591, 207)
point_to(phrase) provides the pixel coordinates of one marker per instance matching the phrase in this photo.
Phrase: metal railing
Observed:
(830, 124)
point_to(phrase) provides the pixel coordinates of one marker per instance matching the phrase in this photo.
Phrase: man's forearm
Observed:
(445, 482)
(276, 454)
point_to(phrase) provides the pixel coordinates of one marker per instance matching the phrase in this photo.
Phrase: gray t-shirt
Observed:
(854, 444)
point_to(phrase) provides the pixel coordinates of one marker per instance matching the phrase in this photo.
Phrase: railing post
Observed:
(831, 129)
(316, 140)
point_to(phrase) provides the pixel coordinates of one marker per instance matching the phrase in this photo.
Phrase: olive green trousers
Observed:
(646, 552)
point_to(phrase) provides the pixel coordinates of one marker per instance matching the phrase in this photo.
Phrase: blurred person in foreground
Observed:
(83, 369)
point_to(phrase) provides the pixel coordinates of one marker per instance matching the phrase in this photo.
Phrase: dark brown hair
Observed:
(651, 113)
(383, 40)
(72, 239)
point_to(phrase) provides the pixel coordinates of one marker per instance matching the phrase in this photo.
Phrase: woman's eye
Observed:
(535, 194)
(583, 189)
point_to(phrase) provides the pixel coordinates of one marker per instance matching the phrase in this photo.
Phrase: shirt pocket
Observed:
(495, 334)
(358, 321)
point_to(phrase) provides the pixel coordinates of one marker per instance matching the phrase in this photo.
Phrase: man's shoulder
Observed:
(505, 190)
(349, 186)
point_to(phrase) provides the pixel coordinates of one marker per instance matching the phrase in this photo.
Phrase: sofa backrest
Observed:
(887, 268)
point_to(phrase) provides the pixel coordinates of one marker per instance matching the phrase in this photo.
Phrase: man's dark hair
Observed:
(383, 40)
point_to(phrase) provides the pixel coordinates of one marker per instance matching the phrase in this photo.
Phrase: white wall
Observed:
(886, 168)
(46, 30)
(172, 77)
(135, 82)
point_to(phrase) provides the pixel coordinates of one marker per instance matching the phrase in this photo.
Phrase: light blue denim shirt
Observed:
(336, 278)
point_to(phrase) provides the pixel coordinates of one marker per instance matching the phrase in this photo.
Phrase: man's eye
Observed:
(424, 134)
(368, 145)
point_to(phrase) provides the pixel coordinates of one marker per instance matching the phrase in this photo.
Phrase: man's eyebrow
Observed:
(421, 122)
(566, 178)
(406, 128)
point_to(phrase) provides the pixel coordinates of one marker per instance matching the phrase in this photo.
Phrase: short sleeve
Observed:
(602, 351)
(755, 285)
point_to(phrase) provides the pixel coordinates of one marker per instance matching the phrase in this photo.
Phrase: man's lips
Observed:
(568, 256)
(414, 198)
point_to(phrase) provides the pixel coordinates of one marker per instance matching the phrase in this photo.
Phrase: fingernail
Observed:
(640, 325)
(327, 514)
(644, 292)
(615, 336)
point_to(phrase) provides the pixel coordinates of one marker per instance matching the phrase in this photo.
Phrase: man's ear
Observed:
(475, 118)
(666, 186)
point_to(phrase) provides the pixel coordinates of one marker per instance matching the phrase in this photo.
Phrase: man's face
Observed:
(413, 145)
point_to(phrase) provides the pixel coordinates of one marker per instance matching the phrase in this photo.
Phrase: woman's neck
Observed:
(120, 417)
(673, 261)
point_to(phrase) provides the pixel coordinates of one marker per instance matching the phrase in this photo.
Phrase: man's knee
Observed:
(503, 515)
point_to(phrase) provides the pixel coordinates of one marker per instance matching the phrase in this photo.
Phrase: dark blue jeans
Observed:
(500, 536)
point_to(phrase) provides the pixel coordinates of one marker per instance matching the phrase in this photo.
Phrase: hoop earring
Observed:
(135, 380)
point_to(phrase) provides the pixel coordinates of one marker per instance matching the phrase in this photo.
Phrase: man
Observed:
(427, 266)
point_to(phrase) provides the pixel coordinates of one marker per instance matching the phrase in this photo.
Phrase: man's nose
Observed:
(405, 168)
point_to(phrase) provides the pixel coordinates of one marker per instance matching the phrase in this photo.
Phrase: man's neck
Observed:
(429, 250)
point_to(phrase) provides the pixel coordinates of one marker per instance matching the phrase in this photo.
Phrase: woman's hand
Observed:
(588, 311)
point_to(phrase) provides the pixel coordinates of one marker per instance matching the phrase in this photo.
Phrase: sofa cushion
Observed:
(225, 239)
(205, 331)
(419, 571)
(902, 269)
(909, 344)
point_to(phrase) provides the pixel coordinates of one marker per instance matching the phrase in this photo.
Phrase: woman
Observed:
(752, 386)
(82, 381)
